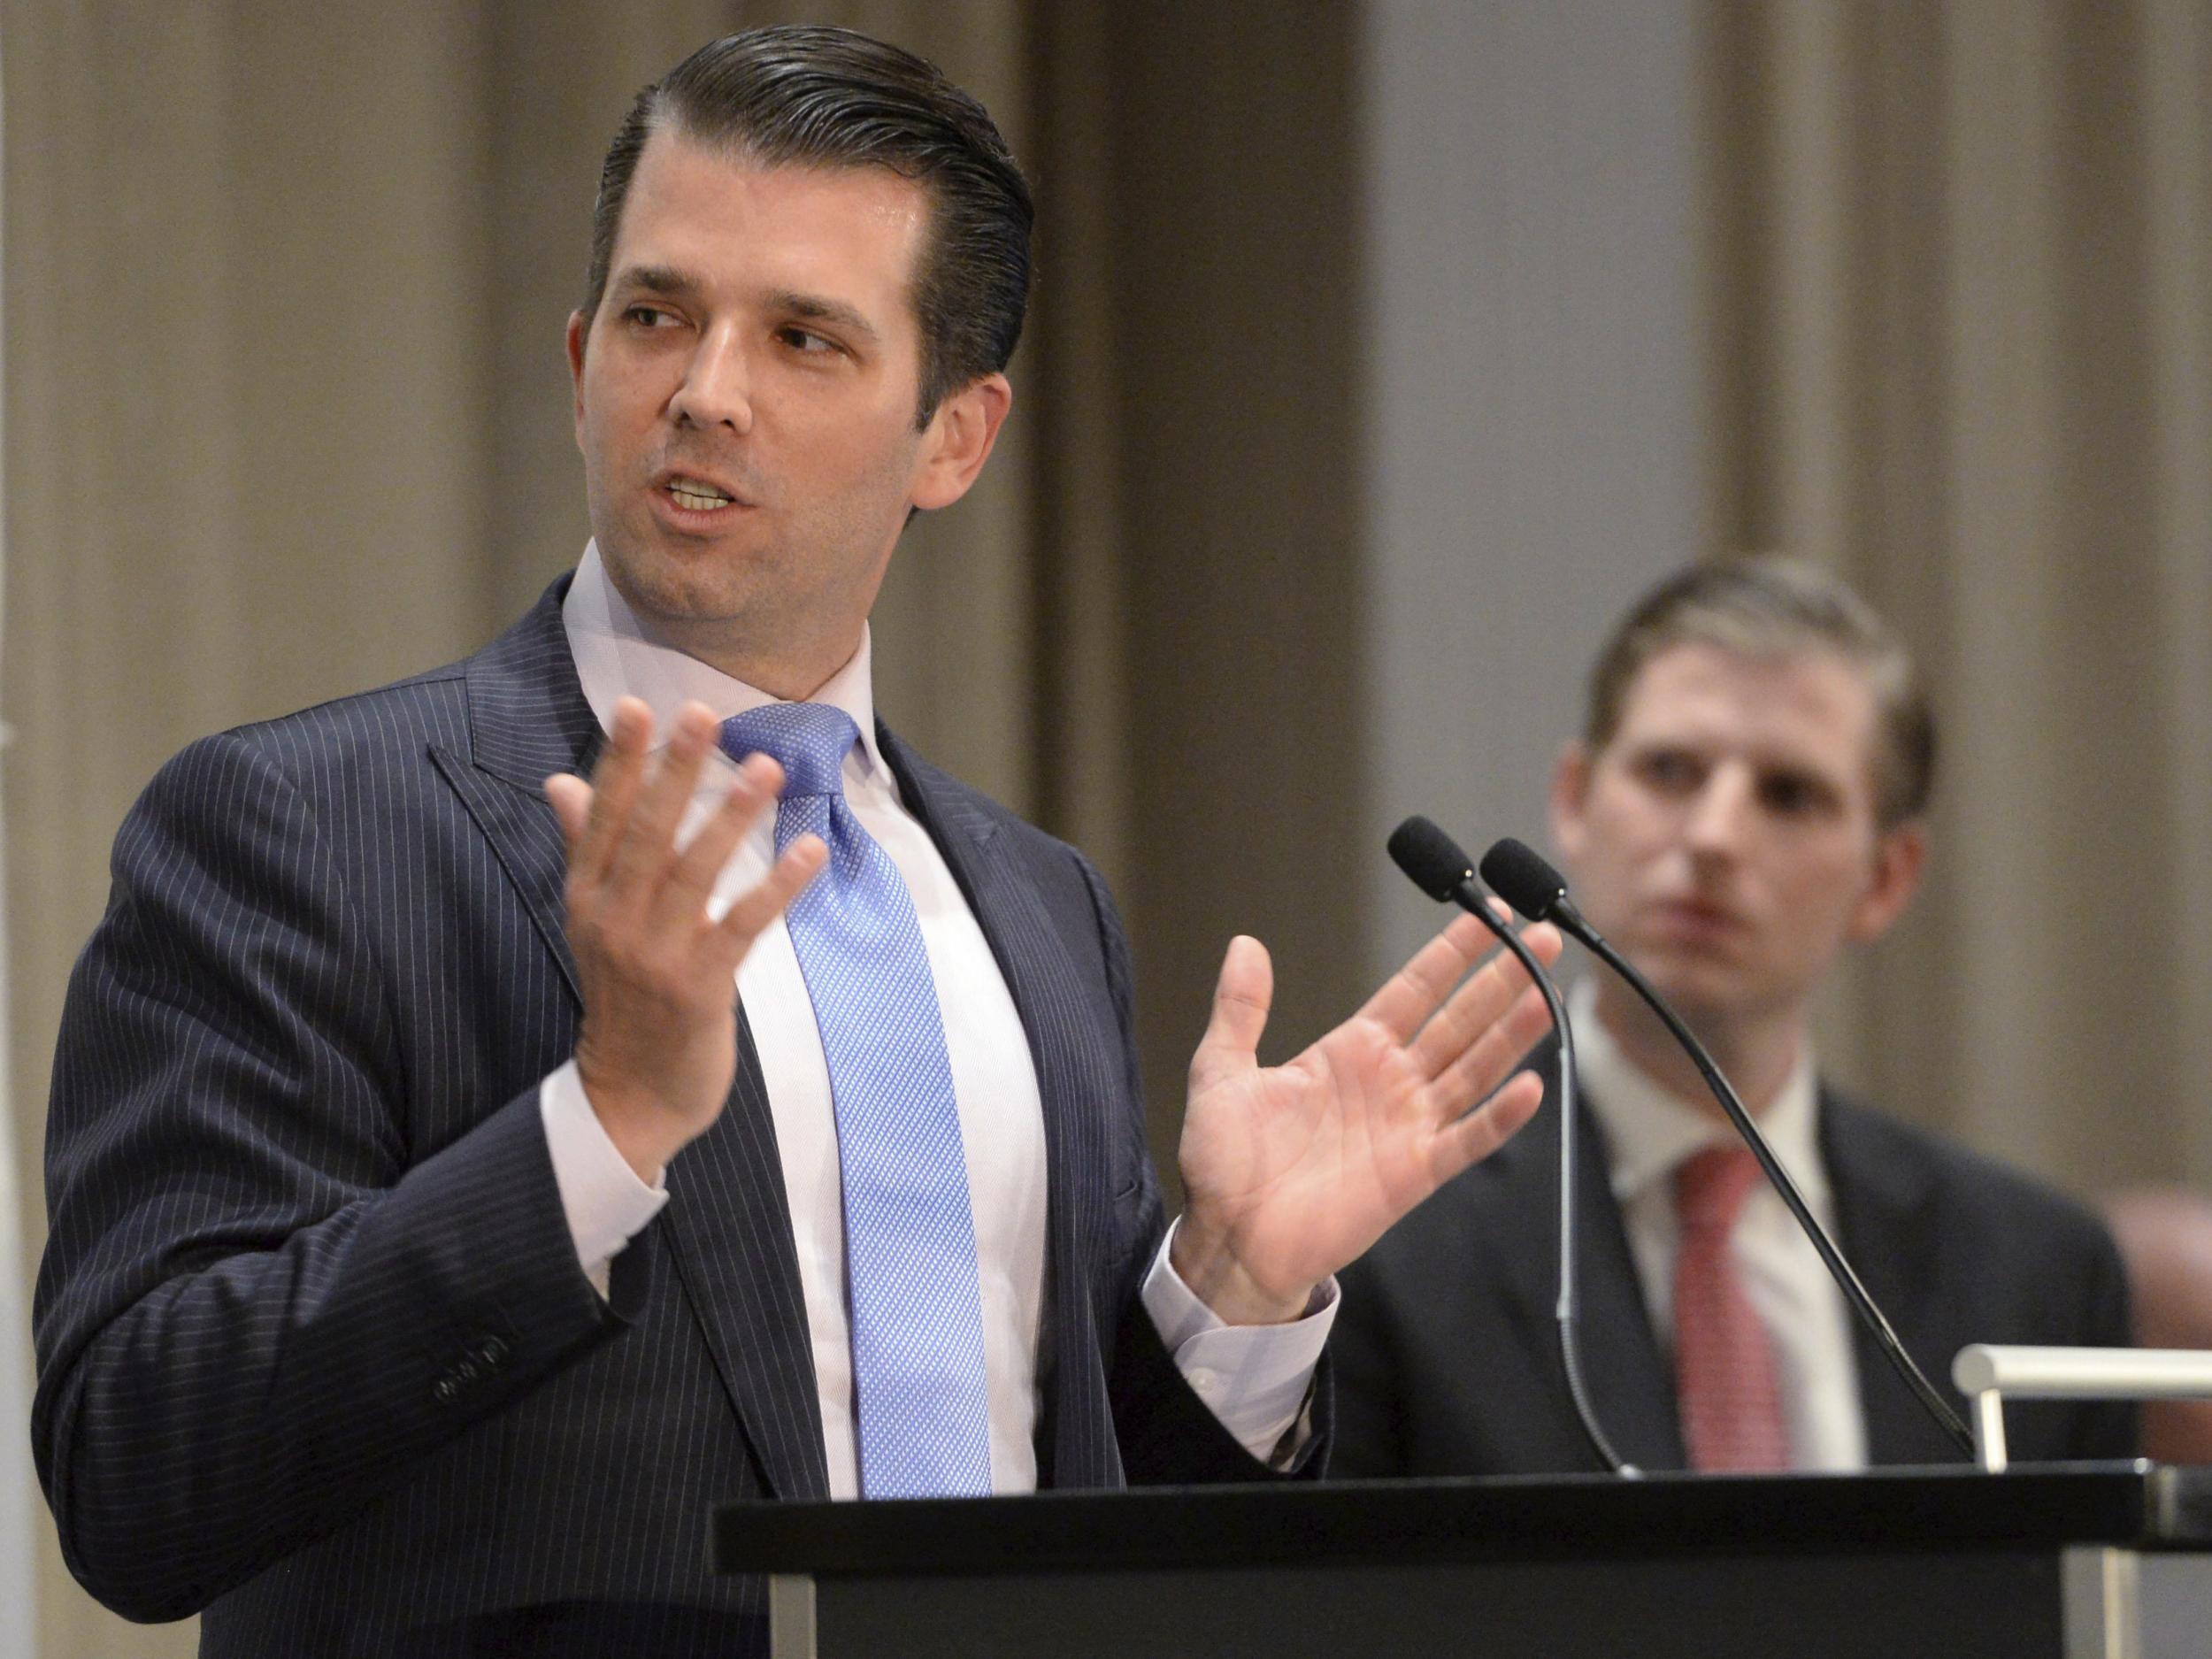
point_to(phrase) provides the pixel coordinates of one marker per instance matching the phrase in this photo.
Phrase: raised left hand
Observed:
(1293, 1171)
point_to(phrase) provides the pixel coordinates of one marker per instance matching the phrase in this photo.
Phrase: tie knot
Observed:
(809, 740)
(1710, 1189)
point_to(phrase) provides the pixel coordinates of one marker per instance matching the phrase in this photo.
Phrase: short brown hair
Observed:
(1769, 607)
(806, 96)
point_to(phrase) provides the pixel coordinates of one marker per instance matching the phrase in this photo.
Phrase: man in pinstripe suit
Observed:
(432, 1247)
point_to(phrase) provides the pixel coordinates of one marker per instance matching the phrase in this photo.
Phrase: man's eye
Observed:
(1669, 770)
(1792, 797)
(647, 316)
(805, 339)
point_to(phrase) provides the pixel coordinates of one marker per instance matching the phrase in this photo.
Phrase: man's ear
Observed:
(1570, 794)
(958, 441)
(1901, 857)
(578, 326)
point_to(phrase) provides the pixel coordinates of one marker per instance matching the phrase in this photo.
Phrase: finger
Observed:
(1470, 1012)
(1482, 1132)
(1476, 1071)
(698, 868)
(1478, 1003)
(749, 918)
(571, 798)
(614, 783)
(1243, 995)
(1409, 996)
(642, 854)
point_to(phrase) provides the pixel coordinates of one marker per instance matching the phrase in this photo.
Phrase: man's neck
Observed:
(620, 653)
(790, 675)
(790, 661)
(1757, 1058)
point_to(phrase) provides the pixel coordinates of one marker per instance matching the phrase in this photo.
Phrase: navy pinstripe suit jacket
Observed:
(315, 1352)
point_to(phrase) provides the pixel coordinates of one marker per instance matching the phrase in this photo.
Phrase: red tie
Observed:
(1724, 1373)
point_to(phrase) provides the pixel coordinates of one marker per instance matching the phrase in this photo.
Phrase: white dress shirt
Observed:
(1651, 1133)
(1253, 1378)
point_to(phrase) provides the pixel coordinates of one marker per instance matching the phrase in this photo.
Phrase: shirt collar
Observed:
(617, 657)
(1650, 1131)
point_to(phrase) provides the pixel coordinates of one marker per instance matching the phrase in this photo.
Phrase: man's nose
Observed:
(717, 389)
(1720, 811)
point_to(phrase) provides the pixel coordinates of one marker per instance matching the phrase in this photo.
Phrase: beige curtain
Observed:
(1961, 273)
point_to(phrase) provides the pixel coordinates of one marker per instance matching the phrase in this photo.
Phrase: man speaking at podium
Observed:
(1747, 802)
(464, 1175)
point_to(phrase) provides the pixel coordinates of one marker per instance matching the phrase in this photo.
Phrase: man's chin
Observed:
(665, 593)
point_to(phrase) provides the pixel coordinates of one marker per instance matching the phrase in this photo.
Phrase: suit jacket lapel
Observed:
(1885, 1225)
(527, 720)
(1033, 962)
(1631, 1385)
(728, 1224)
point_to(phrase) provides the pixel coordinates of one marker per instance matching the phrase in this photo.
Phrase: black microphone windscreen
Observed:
(1522, 879)
(1432, 858)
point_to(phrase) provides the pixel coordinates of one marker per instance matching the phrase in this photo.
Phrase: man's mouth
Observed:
(1696, 917)
(689, 492)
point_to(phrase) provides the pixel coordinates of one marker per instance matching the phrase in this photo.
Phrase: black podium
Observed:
(2113, 1561)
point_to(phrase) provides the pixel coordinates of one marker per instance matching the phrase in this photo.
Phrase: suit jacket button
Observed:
(493, 1351)
(445, 1390)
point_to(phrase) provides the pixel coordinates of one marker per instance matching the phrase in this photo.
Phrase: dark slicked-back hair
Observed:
(810, 96)
(1774, 609)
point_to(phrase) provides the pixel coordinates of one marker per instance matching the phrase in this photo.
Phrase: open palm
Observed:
(1293, 1171)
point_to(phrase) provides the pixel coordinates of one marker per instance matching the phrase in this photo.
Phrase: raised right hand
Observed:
(658, 1046)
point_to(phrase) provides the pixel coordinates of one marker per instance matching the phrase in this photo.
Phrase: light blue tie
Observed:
(920, 1414)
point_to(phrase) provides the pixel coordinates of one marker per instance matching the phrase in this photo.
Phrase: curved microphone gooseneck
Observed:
(1440, 870)
(1532, 886)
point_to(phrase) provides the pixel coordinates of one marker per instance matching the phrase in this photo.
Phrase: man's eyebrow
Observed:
(814, 309)
(664, 281)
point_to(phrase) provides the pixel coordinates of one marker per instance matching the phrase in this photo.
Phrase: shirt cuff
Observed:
(606, 1204)
(1254, 1377)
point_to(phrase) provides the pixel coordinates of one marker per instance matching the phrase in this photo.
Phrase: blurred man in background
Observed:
(1747, 802)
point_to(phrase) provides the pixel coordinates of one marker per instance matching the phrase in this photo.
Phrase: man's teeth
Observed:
(699, 496)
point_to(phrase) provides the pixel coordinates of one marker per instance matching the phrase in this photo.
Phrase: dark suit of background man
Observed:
(437, 1234)
(1747, 801)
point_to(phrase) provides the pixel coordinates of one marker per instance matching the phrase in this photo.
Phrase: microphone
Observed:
(1532, 888)
(1440, 869)
(1537, 891)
